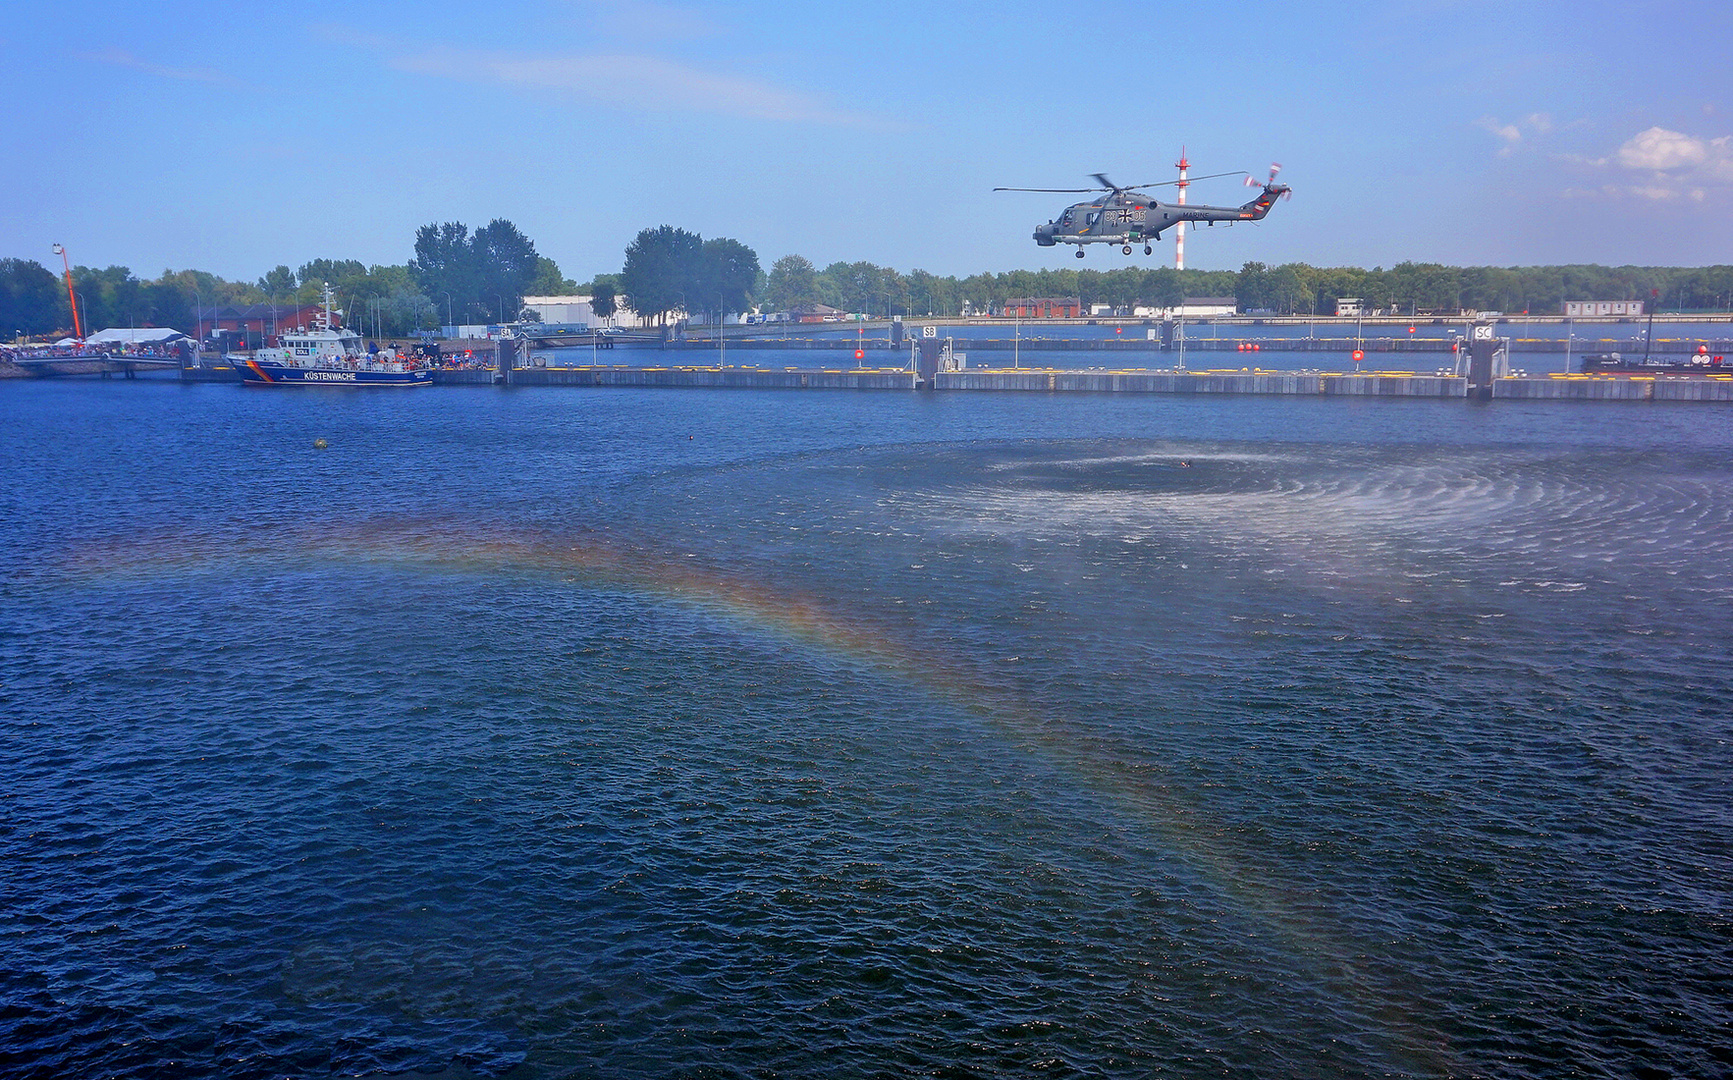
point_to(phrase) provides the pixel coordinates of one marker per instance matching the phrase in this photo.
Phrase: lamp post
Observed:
(501, 298)
(448, 321)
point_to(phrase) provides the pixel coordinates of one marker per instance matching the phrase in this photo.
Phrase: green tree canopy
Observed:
(280, 282)
(329, 271)
(548, 281)
(791, 284)
(604, 301)
(726, 277)
(399, 299)
(508, 263)
(490, 271)
(660, 268)
(31, 298)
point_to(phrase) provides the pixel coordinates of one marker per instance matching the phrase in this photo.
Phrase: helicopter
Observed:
(1124, 217)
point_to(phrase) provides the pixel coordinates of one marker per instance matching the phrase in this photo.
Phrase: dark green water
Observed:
(618, 734)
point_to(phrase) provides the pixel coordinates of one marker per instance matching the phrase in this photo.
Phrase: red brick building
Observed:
(1041, 307)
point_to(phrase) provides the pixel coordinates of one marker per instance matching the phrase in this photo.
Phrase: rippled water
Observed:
(605, 733)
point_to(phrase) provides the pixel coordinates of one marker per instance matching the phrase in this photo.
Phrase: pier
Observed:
(1481, 371)
(52, 362)
(1240, 381)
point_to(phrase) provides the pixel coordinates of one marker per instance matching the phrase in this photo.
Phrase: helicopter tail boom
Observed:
(1258, 207)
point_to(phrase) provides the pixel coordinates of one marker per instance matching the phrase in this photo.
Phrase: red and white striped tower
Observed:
(1179, 230)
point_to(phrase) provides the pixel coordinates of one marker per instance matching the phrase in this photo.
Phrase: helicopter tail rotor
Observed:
(1270, 184)
(1252, 181)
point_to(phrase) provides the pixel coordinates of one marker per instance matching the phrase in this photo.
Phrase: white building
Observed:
(1585, 309)
(1350, 307)
(576, 311)
(1203, 307)
(1191, 307)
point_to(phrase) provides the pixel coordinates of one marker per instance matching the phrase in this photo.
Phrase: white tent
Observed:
(123, 335)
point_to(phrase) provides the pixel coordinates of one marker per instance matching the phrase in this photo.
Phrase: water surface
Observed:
(545, 733)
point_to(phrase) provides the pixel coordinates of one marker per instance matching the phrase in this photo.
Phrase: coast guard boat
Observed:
(323, 356)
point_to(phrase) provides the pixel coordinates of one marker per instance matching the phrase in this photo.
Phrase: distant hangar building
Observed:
(576, 311)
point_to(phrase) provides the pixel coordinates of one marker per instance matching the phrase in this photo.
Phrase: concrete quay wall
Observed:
(464, 376)
(1609, 388)
(724, 378)
(1206, 382)
(1042, 380)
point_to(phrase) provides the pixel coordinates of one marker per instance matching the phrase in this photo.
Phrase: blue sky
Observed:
(235, 136)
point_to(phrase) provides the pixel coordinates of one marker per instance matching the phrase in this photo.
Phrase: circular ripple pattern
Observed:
(617, 734)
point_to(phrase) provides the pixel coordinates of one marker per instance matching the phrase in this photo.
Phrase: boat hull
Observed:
(265, 373)
(1637, 367)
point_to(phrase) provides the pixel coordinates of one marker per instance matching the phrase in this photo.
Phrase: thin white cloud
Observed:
(634, 82)
(1653, 192)
(640, 83)
(1512, 134)
(639, 20)
(122, 58)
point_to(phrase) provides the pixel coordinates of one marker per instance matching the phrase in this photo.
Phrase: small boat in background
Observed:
(1700, 363)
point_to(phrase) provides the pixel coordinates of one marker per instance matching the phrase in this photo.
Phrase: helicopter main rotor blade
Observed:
(1189, 179)
(1055, 190)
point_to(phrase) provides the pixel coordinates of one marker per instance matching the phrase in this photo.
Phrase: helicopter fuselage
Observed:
(1125, 217)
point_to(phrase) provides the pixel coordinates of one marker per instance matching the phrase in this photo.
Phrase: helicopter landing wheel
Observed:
(1147, 250)
(1080, 253)
(1126, 250)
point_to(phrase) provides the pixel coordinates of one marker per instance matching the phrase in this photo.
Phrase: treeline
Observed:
(460, 276)
(456, 276)
(1292, 288)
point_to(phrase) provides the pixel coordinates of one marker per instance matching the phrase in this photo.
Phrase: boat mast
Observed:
(1649, 338)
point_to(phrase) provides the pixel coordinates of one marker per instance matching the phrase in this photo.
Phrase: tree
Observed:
(280, 282)
(31, 298)
(548, 281)
(929, 294)
(333, 272)
(659, 269)
(442, 265)
(507, 262)
(492, 269)
(727, 272)
(791, 284)
(604, 302)
(1252, 287)
(114, 297)
(1290, 288)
